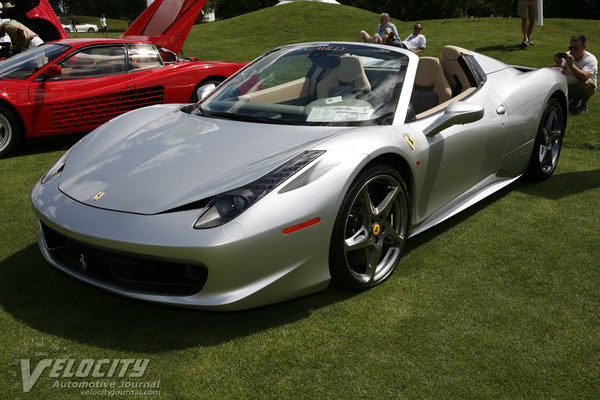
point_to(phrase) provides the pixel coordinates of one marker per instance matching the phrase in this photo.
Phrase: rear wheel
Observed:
(10, 131)
(548, 143)
(370, 230)
(91, 30)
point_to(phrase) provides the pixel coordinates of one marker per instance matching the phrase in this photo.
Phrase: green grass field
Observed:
(501, 301)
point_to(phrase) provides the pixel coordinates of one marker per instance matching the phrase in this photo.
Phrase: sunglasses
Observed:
(417, 28)
(574, 48)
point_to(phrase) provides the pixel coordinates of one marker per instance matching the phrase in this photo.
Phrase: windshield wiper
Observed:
(250, 118)
(198, 107)
(193, 108)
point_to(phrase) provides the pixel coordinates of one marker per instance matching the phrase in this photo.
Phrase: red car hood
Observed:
(166, 23)
(39, 17)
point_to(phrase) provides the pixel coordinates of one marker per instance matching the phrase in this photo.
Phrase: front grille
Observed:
(135, 273)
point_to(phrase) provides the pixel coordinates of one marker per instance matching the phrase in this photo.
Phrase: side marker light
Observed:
(301, 225)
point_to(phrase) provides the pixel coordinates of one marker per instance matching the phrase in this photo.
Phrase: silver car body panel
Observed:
(152, 162)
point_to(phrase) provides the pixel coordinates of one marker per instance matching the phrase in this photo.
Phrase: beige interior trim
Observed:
(445, 104)
(280, 93)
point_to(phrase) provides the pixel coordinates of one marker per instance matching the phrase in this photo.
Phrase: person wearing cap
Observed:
(4, 39)
(22, 37)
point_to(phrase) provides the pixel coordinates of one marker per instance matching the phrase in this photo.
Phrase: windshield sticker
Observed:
(326, 48)
(332, 100)
(339, 114)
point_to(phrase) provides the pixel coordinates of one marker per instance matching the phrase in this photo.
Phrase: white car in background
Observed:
(91, 28)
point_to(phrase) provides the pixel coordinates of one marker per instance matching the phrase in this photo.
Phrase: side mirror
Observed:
(53, 70)
(457, 113)
(204, 90)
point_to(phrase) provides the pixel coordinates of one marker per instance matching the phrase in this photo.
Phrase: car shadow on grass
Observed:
(512, 47)
(557, 187)
(562, 185)
(50, 301)
(46, 145)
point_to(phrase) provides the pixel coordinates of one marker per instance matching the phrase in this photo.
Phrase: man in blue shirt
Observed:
(381, 34)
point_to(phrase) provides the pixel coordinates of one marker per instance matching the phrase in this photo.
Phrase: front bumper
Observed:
(245, 263)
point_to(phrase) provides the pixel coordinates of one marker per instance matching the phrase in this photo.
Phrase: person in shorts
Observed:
(528, 11)
(103, 26)
(581, 68)
(384, 30)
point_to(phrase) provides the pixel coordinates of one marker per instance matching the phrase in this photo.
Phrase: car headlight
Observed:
(56, 169)
(227, 206)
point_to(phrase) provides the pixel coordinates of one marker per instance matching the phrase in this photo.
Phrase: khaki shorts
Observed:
(582, 90)
(528, 9)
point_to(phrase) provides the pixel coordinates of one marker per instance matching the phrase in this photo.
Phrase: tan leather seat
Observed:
(431, 86)
(350, 72)
(453, 70)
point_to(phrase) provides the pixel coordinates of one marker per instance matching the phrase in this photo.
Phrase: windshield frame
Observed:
(393, 66)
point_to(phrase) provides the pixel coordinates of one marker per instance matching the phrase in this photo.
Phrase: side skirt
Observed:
(461, 203)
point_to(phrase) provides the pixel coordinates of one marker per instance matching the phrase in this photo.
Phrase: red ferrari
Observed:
(75, 85)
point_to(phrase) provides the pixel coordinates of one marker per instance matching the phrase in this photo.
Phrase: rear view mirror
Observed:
(53, 70)
(204, 90)
(457, 113)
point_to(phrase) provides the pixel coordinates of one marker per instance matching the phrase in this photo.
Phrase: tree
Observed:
(111, 8)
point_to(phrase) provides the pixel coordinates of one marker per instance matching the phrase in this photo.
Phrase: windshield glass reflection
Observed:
(315, 84)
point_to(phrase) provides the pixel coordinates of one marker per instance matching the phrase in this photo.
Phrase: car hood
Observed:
(173, 158)
(166, 23)
(39, 17)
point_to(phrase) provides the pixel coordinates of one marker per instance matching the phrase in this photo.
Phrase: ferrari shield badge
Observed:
(96, 197)
(410, 141)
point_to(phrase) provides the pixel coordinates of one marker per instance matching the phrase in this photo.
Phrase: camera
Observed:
(561, 55)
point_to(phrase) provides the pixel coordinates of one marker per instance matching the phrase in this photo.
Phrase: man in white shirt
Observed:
(415, 41)
(581, 67)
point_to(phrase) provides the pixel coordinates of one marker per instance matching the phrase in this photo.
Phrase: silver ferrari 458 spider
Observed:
(312, 165)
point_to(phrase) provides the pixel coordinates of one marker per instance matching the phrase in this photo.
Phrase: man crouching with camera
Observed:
(582, 68)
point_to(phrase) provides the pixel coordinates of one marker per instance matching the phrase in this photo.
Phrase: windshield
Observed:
(23, 65)
(314, 84)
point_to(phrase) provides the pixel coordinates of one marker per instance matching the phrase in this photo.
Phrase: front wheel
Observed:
(548, 143)
(91, 30)
(10, 132)
(370, 230)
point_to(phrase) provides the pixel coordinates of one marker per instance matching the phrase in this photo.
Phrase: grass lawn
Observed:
(501, 301)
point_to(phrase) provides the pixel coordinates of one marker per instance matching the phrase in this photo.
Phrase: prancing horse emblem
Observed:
(82, 261)
(96, 197)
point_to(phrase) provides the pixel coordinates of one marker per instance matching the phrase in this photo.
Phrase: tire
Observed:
(370, 230)
(91, 30)
(548, 143)
(10, 132)
(215, 81)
